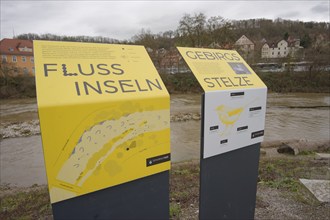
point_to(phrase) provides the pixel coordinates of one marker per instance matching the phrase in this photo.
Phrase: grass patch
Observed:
(184, 187)
(307, 153)
(284, 174)
(288, 170)
(285, 183)
(30, 204)
(280, 173)
(175, 210)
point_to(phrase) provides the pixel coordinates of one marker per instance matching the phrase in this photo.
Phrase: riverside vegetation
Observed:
(24, 87)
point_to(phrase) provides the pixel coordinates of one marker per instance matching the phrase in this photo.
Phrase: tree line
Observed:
(198, 30)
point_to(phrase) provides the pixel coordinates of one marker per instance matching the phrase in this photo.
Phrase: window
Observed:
(25, 71)
(23, 59)
(278, 53)
(15, 71)
(4, 58)
(32, 59)
(14, 59)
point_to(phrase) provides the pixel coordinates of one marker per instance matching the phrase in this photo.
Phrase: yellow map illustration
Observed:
(108, 147)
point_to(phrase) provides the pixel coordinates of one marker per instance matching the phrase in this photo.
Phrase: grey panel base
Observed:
(228, 184)
(146, 198)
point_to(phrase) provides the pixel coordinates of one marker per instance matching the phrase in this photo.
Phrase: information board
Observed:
(235, 99)
(233, 119)
(104, 116)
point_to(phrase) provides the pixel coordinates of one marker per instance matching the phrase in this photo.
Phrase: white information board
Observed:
(233, 119)
(234, 99)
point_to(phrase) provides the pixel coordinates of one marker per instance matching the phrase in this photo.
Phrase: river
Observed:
(289, 116)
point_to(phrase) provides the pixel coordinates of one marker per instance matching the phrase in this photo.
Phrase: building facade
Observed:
(281, 49)
(245, 47)
(19, 54)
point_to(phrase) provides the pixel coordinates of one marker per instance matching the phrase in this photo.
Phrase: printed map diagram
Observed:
(109, 149)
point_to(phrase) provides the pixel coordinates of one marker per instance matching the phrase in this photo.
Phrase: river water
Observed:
(289, 116)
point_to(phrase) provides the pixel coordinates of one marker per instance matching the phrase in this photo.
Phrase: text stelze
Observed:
(110, 85)
(226, 82)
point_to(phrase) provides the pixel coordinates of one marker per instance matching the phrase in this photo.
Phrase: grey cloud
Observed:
(123, 19)
(321, 8)
(289, 15)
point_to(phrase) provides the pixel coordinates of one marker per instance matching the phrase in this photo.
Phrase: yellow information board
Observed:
(104, 116)
(220, 69)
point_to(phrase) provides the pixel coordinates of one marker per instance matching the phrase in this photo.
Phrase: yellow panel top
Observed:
(74, 73)
(220, 69)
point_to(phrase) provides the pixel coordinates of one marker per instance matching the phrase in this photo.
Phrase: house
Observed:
(294, 45)
(169, 61)
(244, 44)
(20, 54)
(281, 49)
(245, 47)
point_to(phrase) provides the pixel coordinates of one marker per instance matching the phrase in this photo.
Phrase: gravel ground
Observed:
(277, 204)
(19, 129)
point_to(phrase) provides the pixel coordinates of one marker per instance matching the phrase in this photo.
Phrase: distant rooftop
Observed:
(16, 47)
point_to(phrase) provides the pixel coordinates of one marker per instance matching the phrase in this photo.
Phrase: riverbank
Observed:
(280, 195)
(288, 115)
(317, 82)
(284, 82)
(302, 116)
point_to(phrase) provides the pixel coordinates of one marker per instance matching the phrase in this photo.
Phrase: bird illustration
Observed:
(228, 116)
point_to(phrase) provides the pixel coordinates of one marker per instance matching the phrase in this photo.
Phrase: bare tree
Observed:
(193, 28)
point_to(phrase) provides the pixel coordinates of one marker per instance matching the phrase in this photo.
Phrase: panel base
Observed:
(146, 198)
(228, 184)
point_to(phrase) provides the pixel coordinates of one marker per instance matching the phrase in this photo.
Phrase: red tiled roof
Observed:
(11, 46)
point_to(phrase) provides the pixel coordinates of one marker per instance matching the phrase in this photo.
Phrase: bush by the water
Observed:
(181, 83)
(17, 87)
(276, 82)
(284, 82)
(23, 87)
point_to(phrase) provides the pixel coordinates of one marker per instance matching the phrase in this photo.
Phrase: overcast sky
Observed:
(123, 19)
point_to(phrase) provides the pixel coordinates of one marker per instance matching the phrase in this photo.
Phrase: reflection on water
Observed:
(298, 100)
(22, 162)
(285, 124)
(297, 116)
(289, 116)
